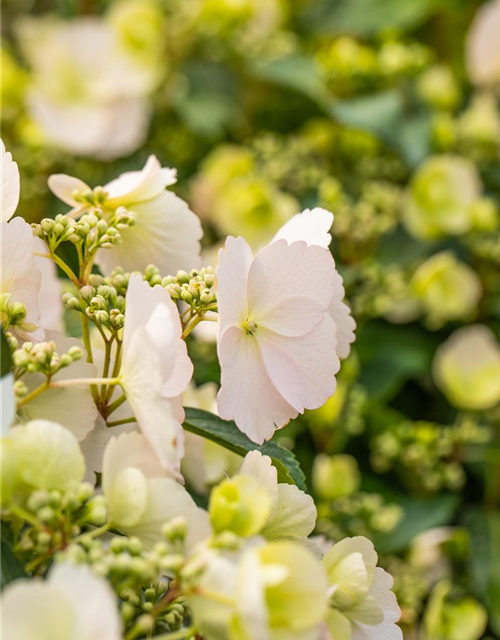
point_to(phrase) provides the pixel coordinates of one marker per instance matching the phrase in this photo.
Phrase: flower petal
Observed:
(137, 186)
(232, 275)
(247, 394)
(63, 187)
(312, 226)
(303, 368)
(294, 515)
(10, 184)
(341, 315)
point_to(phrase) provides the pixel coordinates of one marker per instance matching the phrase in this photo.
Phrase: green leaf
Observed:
(296, 72)
(11, 568)
(230, 437)
(419, 515)
(6, 360)
(484, 528)
(365, 17)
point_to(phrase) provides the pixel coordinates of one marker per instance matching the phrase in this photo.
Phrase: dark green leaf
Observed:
(6, 360)
(484, 528)
(419, 515)
(11, 567)
(229, 436)
(295, 72)
(377, 113)
(364, 17)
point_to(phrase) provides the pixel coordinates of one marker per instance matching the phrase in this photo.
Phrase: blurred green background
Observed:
(385, 112)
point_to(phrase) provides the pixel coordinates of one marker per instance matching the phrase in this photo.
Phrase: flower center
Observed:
(249, 327)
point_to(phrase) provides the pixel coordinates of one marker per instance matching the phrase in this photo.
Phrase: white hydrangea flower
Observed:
(483, 45)
(141, 499)
(10, 184)
(155, 368)
(86, 95)
(313, 227)
(293, 513)
(167, 232)
(277, 342)
(50, 303)
(20, 277)
(73, 406)
(362, 605)
(466, 368)
(73, 604)
(272, 591)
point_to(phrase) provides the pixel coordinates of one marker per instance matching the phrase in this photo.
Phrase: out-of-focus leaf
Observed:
(364, 17)
(6, 360)
(229, 436)
(391, 355)
(419, 515)
(484, 528)
(295, 72)
(11, 568)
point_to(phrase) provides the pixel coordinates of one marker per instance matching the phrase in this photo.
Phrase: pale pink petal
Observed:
(292, 317)
(483, 45)
(63, 186)
(137, 186)
(302, 369)
(50, 303)
(10, 184)
(341, 315)
(281, 272)
(167, 234)
(247, 394)
(312, 226)
(232, 275)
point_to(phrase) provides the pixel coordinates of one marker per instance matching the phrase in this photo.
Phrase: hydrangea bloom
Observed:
(140, 498)
(363, 606)
(467, 368)
(155, 368)
(167, 232)
(277, 342)
(73, 604)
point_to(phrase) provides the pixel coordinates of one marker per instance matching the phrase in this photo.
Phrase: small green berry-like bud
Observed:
(186, 296)
(183, 277)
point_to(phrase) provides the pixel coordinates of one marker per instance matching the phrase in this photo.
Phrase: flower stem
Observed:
(36, 392)
(62, 265)
(117, 423)
(114, 405)
(177, 635)
(94, 533)
(84, 381)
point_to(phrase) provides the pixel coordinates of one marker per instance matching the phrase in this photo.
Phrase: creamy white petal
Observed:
(312, 226)
(247, 394)
(341, 315)
(294, 514)
(262, 469)
(93, 603)
(137, 186)
(385, 598)
(10, 184)
(281, 272)
(50, 303)
(232, 275)
(63, 187)
(167, 234)
(302, 369)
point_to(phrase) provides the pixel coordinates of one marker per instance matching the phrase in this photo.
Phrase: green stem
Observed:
(176, 635)
(88, 348)
(24, 515)
(105, 367)
(36, 392)
(62, 265)
(84, 381)
(114, 405)
(117, 423)
(116, 370)
(194, 323)
(94, 533)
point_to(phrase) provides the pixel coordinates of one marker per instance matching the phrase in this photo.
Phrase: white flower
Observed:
(155, 368)
(87, 96)
(313, 226)
(277, 342)
(74, 406)
(293, 512)
(20, 278)
(466, 368)
(140, 498)
(50, 295)
(483, 45)
(167, 232)
(73, 604)
(8, 412)
(363, 606)
(10, 184)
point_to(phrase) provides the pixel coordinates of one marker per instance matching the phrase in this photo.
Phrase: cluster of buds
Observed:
(197, 288)
(359, 514)
(43, 358)
(57, 517)
(141, 577)
(53, 231)
(102, 304)
(13, 314)
(427, 450)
